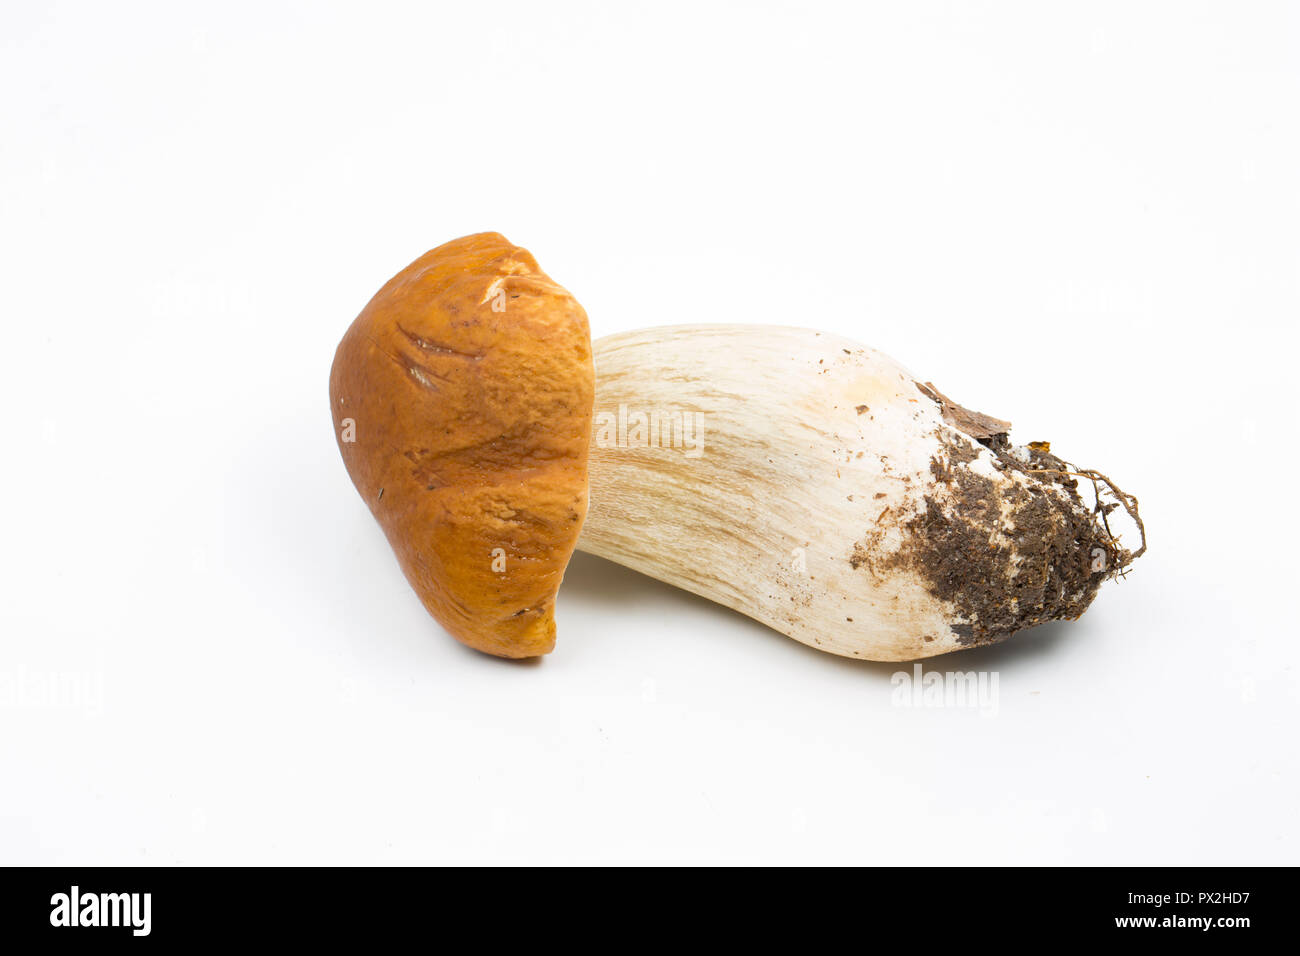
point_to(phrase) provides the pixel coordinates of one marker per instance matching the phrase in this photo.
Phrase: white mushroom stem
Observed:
(808, 482)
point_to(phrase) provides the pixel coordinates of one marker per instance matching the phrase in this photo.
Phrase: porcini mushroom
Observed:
(794, 476)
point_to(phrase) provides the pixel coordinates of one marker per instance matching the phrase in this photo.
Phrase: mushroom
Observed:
(800, 478)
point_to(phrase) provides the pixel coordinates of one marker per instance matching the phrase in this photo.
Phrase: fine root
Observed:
(1103, 509)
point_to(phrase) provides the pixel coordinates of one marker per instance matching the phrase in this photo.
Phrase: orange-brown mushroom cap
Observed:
(462, 403)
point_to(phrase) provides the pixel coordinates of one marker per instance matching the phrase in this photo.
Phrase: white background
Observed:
(1080, 217)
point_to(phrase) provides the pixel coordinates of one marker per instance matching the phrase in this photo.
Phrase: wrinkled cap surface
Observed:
(462, 403)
